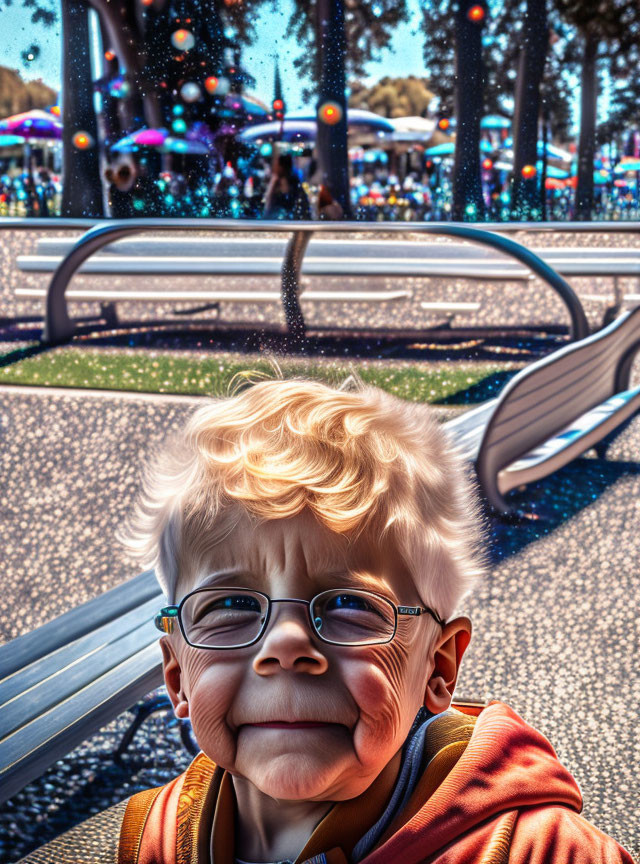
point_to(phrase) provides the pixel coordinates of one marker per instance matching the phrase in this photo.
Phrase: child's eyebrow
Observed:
(330, 579)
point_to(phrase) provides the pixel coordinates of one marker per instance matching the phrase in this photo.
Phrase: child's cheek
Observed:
(377, 683)
(211, 691)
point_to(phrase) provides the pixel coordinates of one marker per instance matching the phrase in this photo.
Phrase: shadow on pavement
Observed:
(23, 353)
(553, 501)
(439, 343)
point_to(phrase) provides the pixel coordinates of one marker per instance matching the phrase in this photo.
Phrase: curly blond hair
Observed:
(361, 461)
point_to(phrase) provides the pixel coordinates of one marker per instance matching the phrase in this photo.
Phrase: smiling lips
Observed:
(281, 724)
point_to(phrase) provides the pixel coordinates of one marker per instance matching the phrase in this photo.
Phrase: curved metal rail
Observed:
(59, 327)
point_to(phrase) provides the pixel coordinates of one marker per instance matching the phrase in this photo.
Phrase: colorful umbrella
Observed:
(449, 149)
(11, 140)
(33, 124)
(182, 145)
(246, 103)
(144, 137)
(287, 130)
(356, 117)
(629, 164)
(555, 152)
(553, 172)
(552, 151)
(495, 121)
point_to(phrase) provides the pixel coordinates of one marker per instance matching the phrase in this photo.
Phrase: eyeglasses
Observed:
(238, 617)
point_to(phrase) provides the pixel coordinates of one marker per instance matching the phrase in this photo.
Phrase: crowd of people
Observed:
(30, 194)
(289, 188)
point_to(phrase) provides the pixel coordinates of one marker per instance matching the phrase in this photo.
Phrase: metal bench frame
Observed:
(59, 327)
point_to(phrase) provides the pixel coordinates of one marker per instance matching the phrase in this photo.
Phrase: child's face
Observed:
(367, 696)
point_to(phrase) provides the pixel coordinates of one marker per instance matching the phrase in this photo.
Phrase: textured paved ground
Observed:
(556, 624)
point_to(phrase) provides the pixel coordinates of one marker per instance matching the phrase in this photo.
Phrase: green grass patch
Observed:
(219, 374)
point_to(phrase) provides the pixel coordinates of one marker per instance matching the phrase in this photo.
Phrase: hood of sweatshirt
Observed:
(507, 765)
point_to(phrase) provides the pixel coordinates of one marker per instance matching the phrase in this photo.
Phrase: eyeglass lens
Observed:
(223, 618)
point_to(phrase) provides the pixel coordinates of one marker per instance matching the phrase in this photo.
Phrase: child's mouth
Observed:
(281, 724)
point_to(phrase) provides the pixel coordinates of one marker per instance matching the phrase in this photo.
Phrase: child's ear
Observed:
(173, 678)
(448, 653)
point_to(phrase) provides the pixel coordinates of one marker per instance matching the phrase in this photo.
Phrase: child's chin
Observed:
(292, 778)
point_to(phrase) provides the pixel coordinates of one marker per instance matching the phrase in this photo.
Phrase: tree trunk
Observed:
(110, 120)
(331, 140)
(82, 186)
(527, 192)
(587, 145)
(120, 24)
(468, 203)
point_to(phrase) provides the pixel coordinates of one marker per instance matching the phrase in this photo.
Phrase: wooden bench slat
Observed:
(544, 400)
(444, 306)
(571, 442)
(29, 751)
(559, 394)
(268, 266)
(83, 619)
(86, 646)
(62, 685)
(220, 296)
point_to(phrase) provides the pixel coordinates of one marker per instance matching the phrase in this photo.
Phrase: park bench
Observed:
(553, 411)
(268, 257)
(263, 257)
(67, 679)
(251, 257)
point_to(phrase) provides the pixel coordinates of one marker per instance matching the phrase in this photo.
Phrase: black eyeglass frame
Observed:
(166, 617)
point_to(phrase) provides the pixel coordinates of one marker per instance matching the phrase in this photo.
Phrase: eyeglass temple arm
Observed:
(420, 610)
(166, 618)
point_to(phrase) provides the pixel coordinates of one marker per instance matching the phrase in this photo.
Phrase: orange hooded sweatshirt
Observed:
(492, 791)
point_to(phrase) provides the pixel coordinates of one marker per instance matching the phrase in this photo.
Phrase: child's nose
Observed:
(288, 643)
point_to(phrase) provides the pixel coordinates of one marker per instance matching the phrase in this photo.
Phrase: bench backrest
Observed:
(67, 679)
(545, 397)
(77, 622)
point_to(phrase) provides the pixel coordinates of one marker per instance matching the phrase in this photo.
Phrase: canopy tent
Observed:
(34, 125)
(413, 129)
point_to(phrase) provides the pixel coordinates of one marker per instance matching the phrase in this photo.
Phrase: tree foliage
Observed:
(393, 97)
(501, 41)
(40, 11)
(369, 29)
(17, 95)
